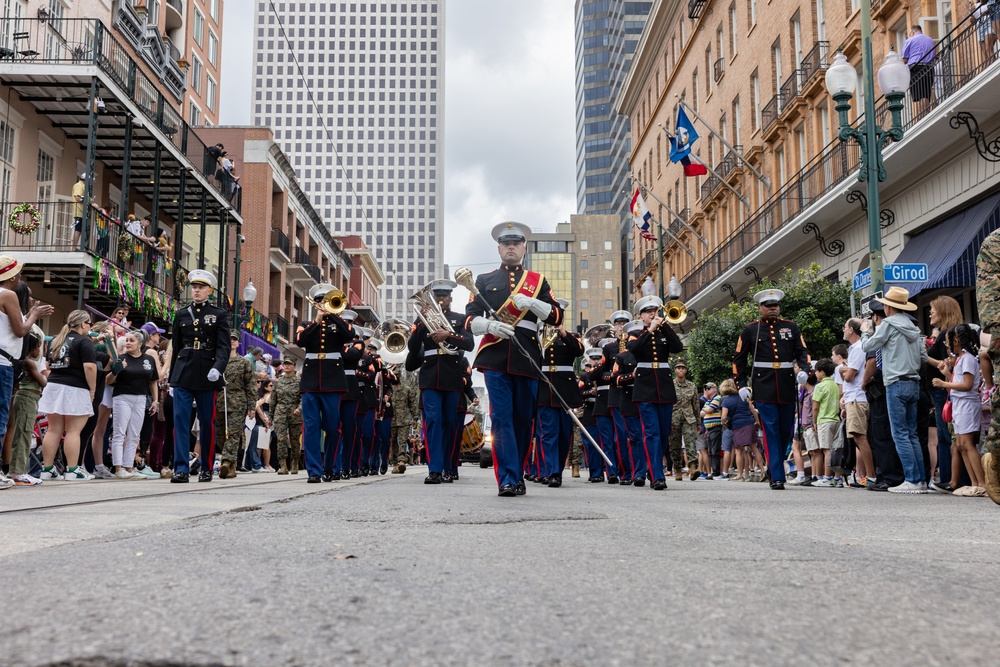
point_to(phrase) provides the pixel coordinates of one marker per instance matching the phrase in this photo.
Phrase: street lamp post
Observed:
(249, 295)
(893, 79)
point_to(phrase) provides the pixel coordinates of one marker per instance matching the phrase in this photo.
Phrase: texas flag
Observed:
(641, 216)
(681, 143)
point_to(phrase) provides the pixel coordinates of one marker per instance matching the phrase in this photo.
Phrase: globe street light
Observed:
(893, 79)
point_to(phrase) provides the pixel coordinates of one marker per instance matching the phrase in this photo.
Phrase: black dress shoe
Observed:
(639, 481)
(612, 479)
(454, 475)
(507, 491)
(433, 478)
(313, 479)
(446, 478)
(336, 476)
(596, 480)
(520, 489)
(555, 481)
(625, 481)
(530, 477)
(180, 478)
(205, 476)
(541, 480)
(659, 485)
(327, 476)
(777, 486)
(383, 469)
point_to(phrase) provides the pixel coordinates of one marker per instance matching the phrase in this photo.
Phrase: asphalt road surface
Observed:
(267, 570)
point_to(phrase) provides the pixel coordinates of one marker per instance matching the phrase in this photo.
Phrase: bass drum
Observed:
(472, 435)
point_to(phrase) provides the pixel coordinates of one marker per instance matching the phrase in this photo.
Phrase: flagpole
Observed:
(659, 263)
(739, 195)
(677, 217)
(764, 179)
(664, 230)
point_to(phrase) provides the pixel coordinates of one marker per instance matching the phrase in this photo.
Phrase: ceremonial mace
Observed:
(463, 277)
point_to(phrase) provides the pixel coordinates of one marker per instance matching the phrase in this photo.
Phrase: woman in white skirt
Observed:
(69, 395)
(965, 404)
(133, 378)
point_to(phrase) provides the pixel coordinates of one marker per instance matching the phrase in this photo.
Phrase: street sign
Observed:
(894, 273)
(862, 279)
(865, 310)
(906, 273)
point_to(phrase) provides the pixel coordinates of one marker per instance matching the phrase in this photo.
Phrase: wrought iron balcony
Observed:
(282, 327)
(791, 88)
(815, 62)
(719, 68)
(280, 242)
(708, 187)
(771, 110)
(730, 162)
(695, 7)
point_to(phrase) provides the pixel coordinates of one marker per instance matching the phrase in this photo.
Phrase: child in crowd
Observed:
(826, 416)
(965, 404)
(809, 441)
(711, 416)
(24, 407)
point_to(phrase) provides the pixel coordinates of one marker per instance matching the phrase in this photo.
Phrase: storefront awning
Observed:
(949, 248)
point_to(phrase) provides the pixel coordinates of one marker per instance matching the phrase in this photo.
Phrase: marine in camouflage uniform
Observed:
(684, 424)
(988, 298)
(233, 405)
(286, 416)
(405, 413)
(576, 449)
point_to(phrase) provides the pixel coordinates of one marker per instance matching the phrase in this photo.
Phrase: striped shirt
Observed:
(714, 417)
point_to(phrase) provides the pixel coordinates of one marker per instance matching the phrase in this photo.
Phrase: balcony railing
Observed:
(719, 68)
(303, 258)
(108, 240)
(959, 61)
(280, 241)
(791, 88)
(770, 112)
(282, 327)
(695, 7)
(730, 162)
(815, 61)
(708, 187)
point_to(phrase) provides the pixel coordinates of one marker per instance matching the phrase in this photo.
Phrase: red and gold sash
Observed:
(508, 313)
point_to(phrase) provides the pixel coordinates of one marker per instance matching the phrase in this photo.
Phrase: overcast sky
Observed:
(509, 116)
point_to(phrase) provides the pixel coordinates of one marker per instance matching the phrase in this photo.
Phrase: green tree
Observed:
(819, 306)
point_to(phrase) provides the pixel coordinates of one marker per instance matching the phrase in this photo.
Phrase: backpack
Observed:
(843, 459)
(18, 363)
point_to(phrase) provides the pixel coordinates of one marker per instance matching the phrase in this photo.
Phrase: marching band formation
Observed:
(622, 401)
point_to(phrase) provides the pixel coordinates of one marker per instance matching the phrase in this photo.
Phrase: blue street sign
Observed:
(894, 273)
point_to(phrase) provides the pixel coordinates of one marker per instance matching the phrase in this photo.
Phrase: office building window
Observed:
(584, 264)
(607, 245)
(584, 284)
(608, 285)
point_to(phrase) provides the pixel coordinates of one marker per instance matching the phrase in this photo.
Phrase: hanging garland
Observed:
(18, 225)
(125, 249)
(181, 280)
(132, 290)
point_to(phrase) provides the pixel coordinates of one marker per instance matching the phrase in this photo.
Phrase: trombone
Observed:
(328, 298)
(674, 311)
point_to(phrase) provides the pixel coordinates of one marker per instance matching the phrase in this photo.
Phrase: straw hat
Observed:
(897, 298)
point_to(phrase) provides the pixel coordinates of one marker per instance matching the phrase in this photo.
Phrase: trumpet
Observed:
(430, 314)
(548, 336)
(392, 335)
(328, 298)
(674, 311)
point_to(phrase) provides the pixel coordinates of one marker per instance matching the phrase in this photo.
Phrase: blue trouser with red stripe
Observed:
(557, 434)
(383, 436)
(656, 424)
(595, 462)
(183, 399)
(634, 427)
(439, 415)
(320, 412)
(778, 423)
(513, 401)
(622, 446)
(368, 438)
(339, 458)
(606, 429)
(453, 456)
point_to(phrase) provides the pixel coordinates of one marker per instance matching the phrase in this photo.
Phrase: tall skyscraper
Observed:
(355, 95)
(607, 33)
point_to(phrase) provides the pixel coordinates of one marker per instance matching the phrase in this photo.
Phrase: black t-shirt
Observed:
(67, 368)
(939, 350)
(135, 377)
(102, 363)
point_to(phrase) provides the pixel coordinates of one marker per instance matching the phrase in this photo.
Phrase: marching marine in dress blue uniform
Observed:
(776, 345)
(588, 389)
(200, 354)
(625, 440)
(442, 377)
(339, 448)
(654, 383)
(601, 378)
(323, 381)
(522, 299)
(623, 377)
(555, 424)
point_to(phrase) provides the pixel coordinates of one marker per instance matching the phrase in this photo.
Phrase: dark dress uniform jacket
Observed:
(655, 385)
(325, 337)
(589, 392)
(777, 344)
(352, 356)
(562, 353)
(495, 287)
(368, 368)
(611, 351)
(201, 343)
(623, 377)
(597, 376)
(438, 370)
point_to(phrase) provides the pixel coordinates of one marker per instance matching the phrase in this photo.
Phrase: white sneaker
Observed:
(134, 474)
(26, 480)
(822, 482)
(122, 474)
(5, 481)
(101, 472)
(908, 488)
(77, 474)
(51, 472)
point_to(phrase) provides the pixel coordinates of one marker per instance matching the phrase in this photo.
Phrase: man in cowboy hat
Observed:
(776, 346)
(903, 351)
(200, 355)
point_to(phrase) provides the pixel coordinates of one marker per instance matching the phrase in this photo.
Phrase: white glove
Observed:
(482, 326)
(537, 306)
(802, 377)
(745, 393)
(213, 375)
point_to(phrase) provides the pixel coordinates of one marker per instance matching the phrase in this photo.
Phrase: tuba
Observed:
(328, 298)
(430, 314)
(392, 335)
(597, 333)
